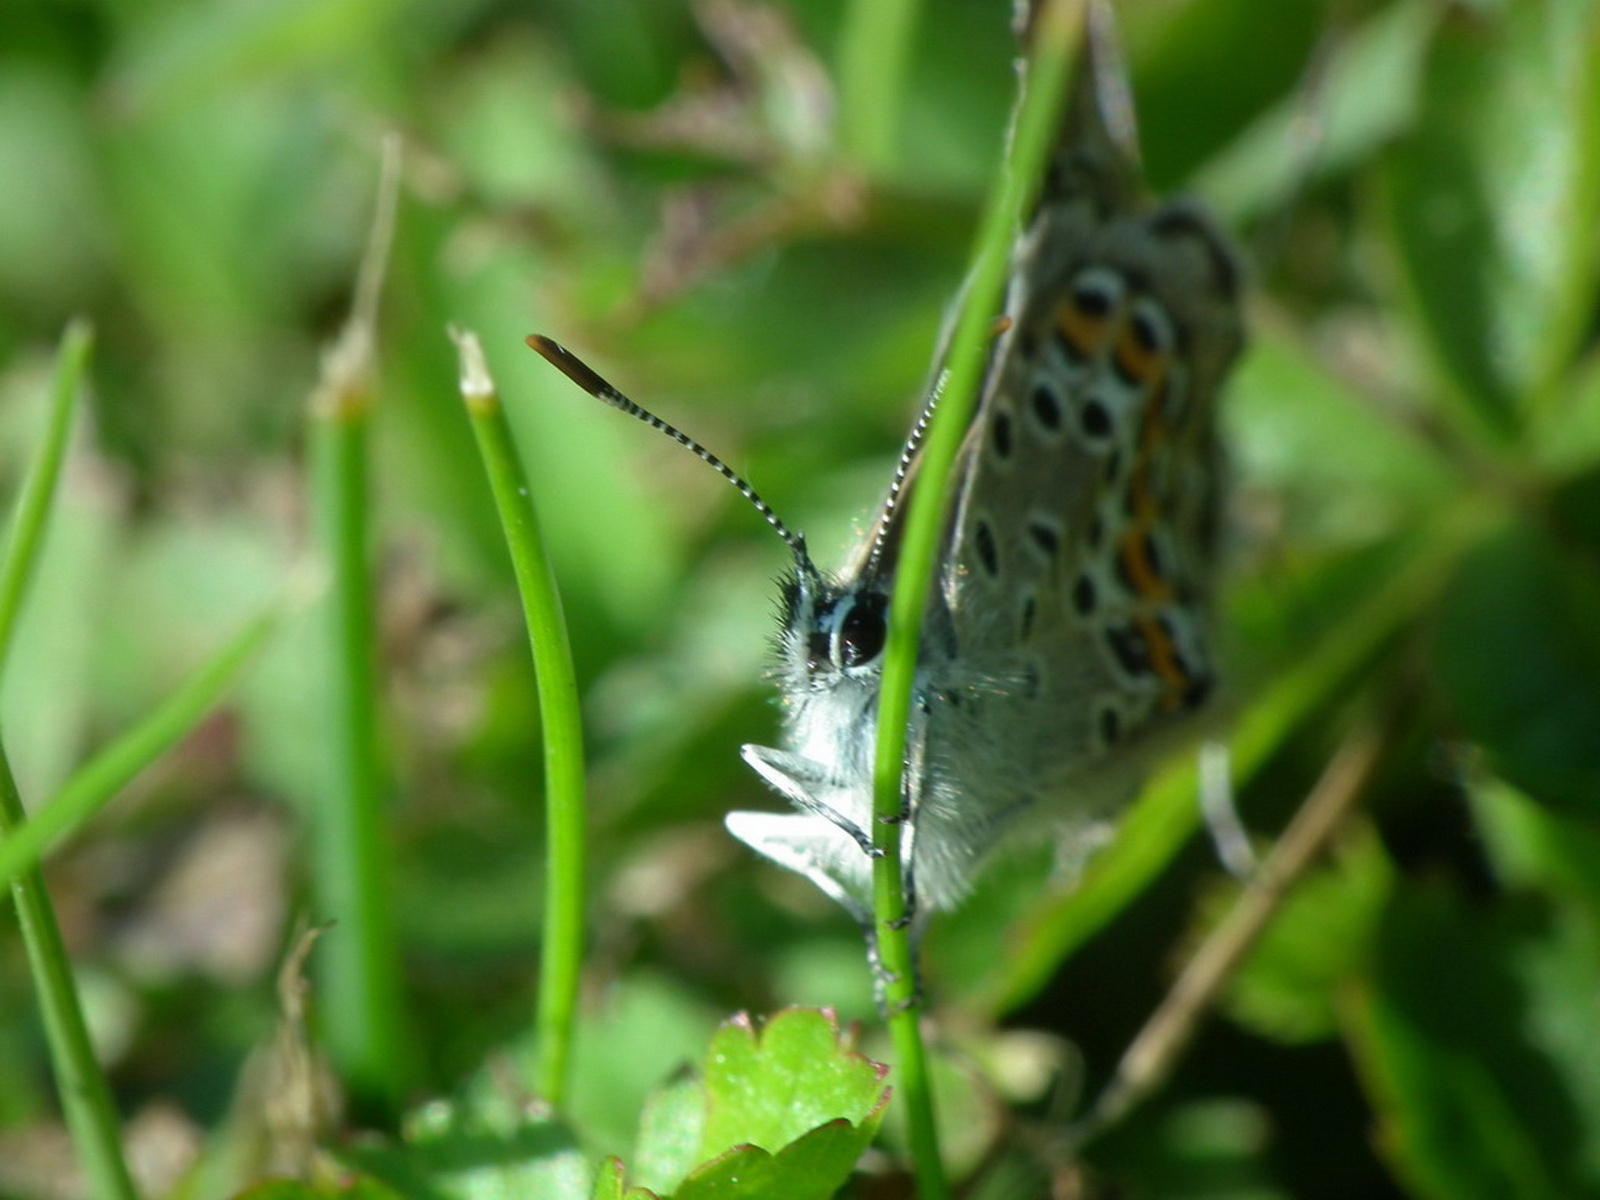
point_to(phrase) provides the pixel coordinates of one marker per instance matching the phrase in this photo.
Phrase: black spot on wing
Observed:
(1047, 407)
(988, 552)
(1000, 434)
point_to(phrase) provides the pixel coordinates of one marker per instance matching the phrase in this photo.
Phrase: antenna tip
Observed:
(569, 364)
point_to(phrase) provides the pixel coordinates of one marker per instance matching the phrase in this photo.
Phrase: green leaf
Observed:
(1518, 649)
(1478, 1050)
(648, 1029)
(483, 1145)
(768, 1088)
(608, 1184)
(291, 1189)
(1285, 409)
(1366, 94)
(669, 1134)
(784, 1112)
(813, 1167)
(1204, 68)
(1317, 944)
(1531, 846)
(1492, 198)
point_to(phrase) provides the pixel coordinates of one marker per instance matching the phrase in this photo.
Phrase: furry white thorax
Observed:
(825, 768)
(1064, 643)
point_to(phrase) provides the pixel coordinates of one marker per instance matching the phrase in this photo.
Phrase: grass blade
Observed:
(33, 507)
(360, 992)
(98, 782)
(561, 953)
(85, 1096)
(1038, 118)
(874, 57)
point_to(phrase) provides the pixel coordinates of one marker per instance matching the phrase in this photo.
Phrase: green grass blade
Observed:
(360, 988)
(874, 56)
(561, 953)
(85, 1096)
(33, 508)
(1038, 121)
(99, 781)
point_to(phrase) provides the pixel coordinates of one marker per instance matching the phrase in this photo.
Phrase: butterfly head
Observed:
(829, 631)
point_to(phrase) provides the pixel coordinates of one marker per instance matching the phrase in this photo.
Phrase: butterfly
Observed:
(1067, 630)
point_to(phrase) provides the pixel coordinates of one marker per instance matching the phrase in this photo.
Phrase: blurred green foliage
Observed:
(662, 189)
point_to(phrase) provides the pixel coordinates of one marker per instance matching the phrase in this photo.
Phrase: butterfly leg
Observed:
(856, 834)
(801, 781)
(1221, 815)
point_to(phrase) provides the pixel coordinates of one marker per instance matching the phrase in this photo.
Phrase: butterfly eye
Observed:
(863, 627)
(848, 631)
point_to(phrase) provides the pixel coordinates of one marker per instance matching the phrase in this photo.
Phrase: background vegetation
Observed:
(751, 219)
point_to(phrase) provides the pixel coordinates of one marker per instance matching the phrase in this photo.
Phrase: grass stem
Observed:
(1037, 125)
(360, 988)
(561, 953)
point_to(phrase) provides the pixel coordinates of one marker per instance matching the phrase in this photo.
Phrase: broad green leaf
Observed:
(1317, 944)
(1518, 648)
(783, 1112)
(290, 1189)
(1203, 68)
(813, 1167)
(1533, 846)
(1284, 410)
(483, 1145)
(647, 1029)
(1492, 198)
(669, 1134)
(1477, 1043)
(770, 1086)
(1366, 94)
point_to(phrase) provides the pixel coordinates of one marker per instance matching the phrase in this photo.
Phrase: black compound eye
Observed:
(863, 627)
(818, 651)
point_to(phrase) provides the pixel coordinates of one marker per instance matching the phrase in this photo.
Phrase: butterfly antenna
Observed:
(590, 380)
(902, 470)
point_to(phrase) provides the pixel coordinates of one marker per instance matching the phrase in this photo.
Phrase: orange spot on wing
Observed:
(1084, 332)
(1143, 366)
(1139, 570)
(1169, 668)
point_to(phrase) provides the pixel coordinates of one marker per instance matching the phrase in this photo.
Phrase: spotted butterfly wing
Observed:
(1067, 628)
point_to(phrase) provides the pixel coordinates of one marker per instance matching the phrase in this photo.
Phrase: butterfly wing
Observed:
(1067, 623)
(1082, 543)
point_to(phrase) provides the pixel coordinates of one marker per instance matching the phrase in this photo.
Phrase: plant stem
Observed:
(1037, 124)
(85, 1096)
(361, 988)
(38, 491)
(561, 951)
(98, 782)
(875, 53)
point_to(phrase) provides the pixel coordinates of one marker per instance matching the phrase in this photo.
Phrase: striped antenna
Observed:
(590, 380)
